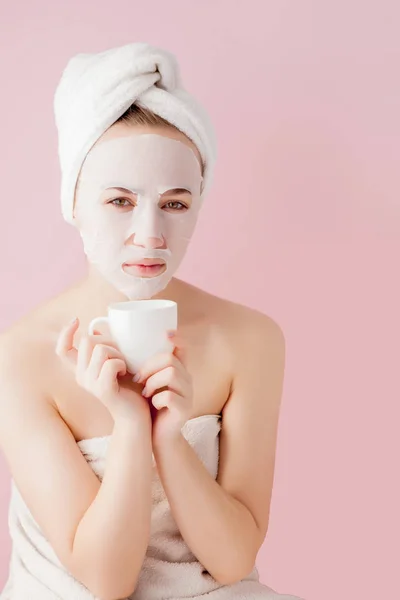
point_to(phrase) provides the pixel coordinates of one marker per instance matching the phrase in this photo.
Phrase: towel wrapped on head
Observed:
(96, 89)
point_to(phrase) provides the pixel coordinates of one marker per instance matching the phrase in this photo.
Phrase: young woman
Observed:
(157, 487)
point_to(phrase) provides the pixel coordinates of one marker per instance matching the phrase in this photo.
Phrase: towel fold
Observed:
(96, 89)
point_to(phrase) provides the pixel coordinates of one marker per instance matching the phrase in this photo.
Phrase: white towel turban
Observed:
(96, 89)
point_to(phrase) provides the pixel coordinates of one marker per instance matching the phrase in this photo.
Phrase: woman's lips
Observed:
(145, 268)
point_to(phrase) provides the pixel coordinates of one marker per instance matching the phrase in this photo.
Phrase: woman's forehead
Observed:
(142, 160)
(123, 130)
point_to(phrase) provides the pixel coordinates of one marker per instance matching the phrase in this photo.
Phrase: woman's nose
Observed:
(147, 227)
(148, 242)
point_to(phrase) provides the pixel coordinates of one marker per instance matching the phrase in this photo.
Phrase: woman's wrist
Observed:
(132, 422)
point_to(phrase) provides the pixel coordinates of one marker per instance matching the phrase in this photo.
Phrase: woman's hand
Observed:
(169, 387)
(100, 369)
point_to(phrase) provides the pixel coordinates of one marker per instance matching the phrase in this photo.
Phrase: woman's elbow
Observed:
(103, 594)
(232, 574)
(112, 589)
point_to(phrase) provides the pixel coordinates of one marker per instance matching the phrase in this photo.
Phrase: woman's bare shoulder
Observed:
(27, 347)
(232, 316)
(238, 335)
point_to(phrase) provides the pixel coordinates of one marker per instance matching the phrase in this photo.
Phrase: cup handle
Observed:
(94, 322)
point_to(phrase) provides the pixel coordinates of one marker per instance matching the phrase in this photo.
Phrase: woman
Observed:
(157, 487)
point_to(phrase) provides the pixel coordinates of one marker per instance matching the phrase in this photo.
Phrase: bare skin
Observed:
(201, 318)
(235, 357)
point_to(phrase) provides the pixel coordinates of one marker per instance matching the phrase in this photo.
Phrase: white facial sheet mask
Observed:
(149, 165)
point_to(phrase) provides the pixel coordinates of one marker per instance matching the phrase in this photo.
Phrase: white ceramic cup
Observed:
(139, 328)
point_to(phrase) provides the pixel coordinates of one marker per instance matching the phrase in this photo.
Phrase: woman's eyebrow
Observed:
(122, 189)
(177, 192)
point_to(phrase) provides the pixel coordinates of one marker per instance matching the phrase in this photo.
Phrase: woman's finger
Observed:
(65, 348)
(164, 399)
(179, 344)
(85, 350)
(168, 377)
(108, 379)
(101, 353)
(157, 363)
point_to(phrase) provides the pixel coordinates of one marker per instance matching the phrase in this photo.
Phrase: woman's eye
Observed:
(175, 205)
(120, 202)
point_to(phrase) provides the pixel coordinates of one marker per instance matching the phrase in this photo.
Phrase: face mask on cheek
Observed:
(154, 226)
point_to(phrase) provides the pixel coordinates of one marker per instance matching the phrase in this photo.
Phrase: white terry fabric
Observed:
(170, 570)
(96, 89)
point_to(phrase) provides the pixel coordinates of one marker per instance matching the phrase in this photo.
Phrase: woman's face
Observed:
(137, 204)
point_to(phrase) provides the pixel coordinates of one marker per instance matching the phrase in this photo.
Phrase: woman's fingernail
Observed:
(74, 320)
(136, 379)
(171, 334)
(144, 392)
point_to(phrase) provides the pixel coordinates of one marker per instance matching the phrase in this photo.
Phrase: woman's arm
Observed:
(115, 529)
(99, 531)
(224, 522)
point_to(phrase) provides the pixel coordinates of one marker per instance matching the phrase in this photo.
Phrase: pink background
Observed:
(302, 223)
